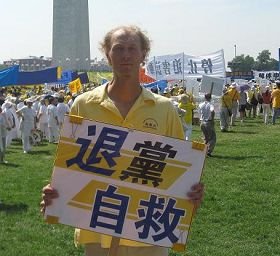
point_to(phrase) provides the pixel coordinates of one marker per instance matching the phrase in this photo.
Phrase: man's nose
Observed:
(126, 53)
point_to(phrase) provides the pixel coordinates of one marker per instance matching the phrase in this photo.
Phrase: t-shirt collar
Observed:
(99, 94)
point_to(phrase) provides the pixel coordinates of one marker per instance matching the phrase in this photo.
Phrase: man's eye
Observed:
(118, 48)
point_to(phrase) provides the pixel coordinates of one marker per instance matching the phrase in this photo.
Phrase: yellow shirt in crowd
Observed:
(275, 98)
(226, 101)
(234, 94)
(189, 107)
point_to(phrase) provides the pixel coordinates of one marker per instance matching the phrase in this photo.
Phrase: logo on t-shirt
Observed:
(150, 123)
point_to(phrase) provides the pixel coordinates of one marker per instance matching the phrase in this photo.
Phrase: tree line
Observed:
(263, 62)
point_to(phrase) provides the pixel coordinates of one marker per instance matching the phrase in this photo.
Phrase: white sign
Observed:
(241, 81)
(125, 183)
(270, 75)
(179, 66)
(192, 86)
(207, 82)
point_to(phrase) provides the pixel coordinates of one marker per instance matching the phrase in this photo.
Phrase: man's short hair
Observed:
(144, 40)
(60, 99)
(208, 96)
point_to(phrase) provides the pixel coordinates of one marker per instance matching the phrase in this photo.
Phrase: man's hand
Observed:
(48, 194)
(196, 195)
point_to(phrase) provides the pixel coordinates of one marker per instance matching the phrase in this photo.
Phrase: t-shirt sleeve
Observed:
(175, 127)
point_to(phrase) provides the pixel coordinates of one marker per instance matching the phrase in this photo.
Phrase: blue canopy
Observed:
(12, 76)
(38, 77)
(9, 76)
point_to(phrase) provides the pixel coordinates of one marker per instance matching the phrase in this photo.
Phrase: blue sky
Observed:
(194, 27)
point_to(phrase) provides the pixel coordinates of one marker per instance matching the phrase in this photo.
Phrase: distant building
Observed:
(100, 66)
(71, 44)
(32, 63)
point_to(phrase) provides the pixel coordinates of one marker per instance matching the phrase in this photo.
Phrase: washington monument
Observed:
(71, 46)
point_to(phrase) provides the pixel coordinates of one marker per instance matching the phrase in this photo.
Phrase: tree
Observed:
(264, 62)
(241, 63)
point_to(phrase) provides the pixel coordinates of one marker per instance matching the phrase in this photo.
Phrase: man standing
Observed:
(7, 109)
(235, 97)
(207, 125)
(276, 102)
(225, 110)
(28, 123)
(43, 118)
(124, 102)
(53, 120)
(62, 110)
(4, 126)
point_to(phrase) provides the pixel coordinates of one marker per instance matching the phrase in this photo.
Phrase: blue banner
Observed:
(9, 76)
(12, 76)
(66, 77)
(48, 75)
(83, 78)
(279, 59)
(160, 85)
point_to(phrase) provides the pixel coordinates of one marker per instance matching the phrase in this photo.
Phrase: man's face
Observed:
(125, 54)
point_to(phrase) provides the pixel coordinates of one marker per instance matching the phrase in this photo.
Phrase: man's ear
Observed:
(144, 56)
(109, 60)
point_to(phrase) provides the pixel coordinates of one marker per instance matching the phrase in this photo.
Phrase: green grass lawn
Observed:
(240, 214)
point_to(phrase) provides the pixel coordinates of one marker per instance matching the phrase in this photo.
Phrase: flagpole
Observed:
(184, 72)
(155, 66)
(211, 90)
(113, 251)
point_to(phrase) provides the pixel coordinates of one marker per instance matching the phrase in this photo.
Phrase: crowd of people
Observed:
(251, 102)
(35, 114)
(31, 116)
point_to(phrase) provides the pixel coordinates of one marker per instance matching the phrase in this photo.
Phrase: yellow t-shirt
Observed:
(226, 101)
(189, 107)
(234, 94)
(151, 113)
(275, 98)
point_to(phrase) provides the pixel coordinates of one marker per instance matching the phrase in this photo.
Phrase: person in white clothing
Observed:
(4, 126)
(43, 118)
(53, 124)
(7, 109)
(207, 113)
(62, 109)
(70, 102)
(36, 105)
(28, 124)
(20, 104)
